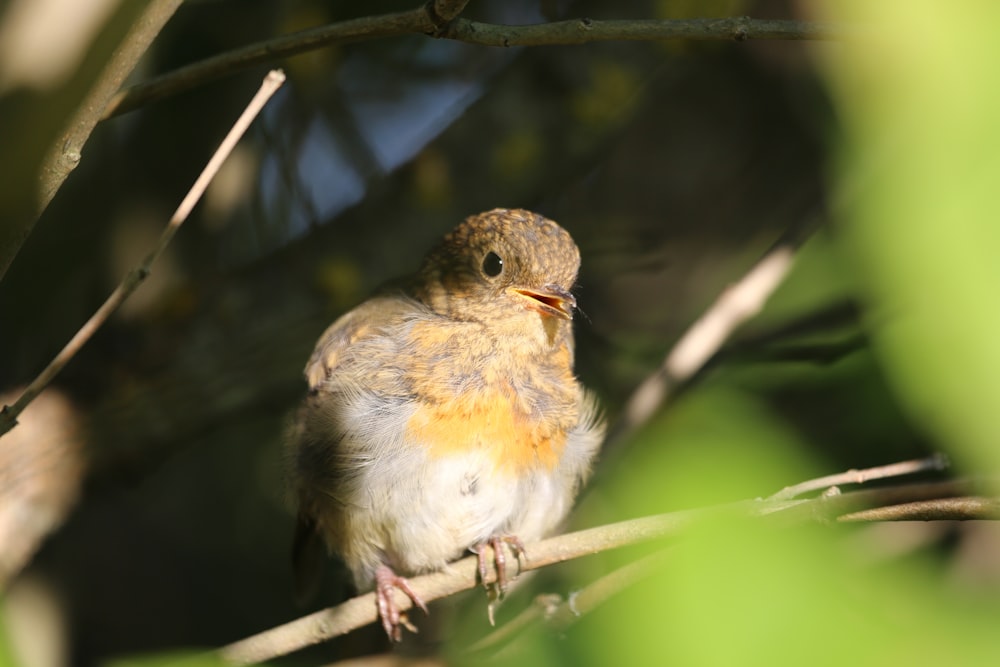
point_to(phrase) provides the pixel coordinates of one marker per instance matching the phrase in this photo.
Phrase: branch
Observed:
(64, 154)
(559, 614)
(584, 31)
(438, 19)
(459, 576)
(462, 575)
(966, 508)
(67, 150)
(782, 342)
(185, 78)
(737, 304)
(443, 12)
(936, 462)
(135, 277)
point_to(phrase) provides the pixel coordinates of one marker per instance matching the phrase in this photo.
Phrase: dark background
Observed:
(673, 165)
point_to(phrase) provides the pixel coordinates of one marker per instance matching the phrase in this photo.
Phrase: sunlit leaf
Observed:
(918, 179)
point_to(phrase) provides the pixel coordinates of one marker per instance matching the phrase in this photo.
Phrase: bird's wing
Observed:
(368, 319)
(313, 437)
(308, 558)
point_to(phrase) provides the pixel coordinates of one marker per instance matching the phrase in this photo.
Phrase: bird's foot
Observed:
(500, 559)
(393, 620)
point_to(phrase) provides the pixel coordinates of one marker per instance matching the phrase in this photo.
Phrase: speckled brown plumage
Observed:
(444, 414)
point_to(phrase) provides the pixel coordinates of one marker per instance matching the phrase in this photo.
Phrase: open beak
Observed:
(550, 300)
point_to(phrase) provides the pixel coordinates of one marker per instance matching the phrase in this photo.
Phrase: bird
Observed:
(443, 414)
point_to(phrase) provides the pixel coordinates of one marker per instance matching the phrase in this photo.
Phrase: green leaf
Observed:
(918, 176)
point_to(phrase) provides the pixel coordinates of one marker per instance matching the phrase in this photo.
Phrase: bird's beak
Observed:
(550, 300)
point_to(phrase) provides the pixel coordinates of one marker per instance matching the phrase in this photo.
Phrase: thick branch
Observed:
(433, 20)
(65, 154)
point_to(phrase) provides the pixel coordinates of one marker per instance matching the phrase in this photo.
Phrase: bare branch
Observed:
(9, 414)
(459, 576)
(584, 31)
(967, 508)
(64, 154)
(444, 12)
(432, 19)
(777, 343)
(462, 575)
(936, 462)
(596, 593)
(560, 613)
(185, 78)
(737, 304)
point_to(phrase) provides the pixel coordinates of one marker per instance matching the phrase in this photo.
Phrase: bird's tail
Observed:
(308, 556)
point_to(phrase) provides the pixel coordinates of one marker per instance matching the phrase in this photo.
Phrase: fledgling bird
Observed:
(443, 414)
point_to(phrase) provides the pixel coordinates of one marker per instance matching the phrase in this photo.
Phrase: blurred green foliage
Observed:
(674, 169)
(919, 173)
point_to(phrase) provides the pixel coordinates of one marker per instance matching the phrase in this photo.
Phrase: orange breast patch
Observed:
(489, 421)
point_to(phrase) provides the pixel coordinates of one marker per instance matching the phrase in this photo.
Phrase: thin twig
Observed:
(135, 277)
(937, 462)
(788, 341)
(966, 508)
(544, 606)
(811, 353)
(462, 575)
(584, 31)
(432, 19)
(267, 52)
(559, 613)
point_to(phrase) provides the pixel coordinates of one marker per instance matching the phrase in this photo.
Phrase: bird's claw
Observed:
(394, 620)
(499, 558)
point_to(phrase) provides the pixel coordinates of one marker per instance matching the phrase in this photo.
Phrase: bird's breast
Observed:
(491, 424)
(480, 394)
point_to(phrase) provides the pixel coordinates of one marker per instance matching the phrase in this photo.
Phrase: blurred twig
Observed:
(438, 19)
(583, 31)
(560, 613)
(462, 575)
(369, 27)
(135, 277)
(777, 343)
(964, 508)
(936, 462)
(64, 153)
(703, 339)
(443, 12)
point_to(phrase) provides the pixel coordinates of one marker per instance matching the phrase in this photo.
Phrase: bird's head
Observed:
(505, 268)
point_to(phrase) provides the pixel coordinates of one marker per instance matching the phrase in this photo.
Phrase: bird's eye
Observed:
(492, 264)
